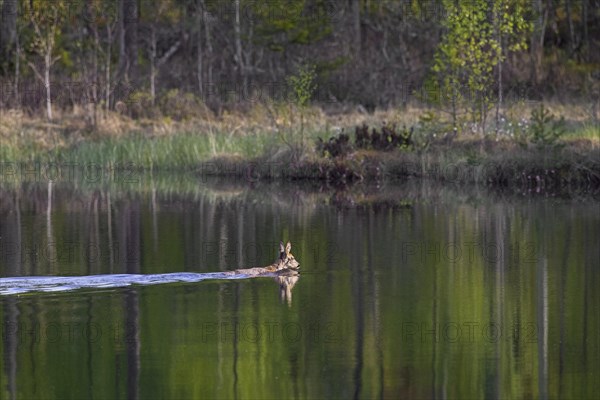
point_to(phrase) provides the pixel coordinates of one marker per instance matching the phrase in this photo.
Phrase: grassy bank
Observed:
(271, 143)
(575, 168)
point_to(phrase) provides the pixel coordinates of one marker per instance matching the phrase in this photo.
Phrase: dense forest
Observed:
(105, 54)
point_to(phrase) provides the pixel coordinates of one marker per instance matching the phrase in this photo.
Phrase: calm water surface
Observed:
(414, 292)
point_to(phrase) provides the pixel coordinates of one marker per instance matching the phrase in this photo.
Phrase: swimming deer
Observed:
(286, 262)
(285, 266)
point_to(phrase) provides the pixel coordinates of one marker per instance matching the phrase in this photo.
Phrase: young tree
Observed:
(477, 36)
(459, 43)
(511, 30)
(303, 86)
(46, 19)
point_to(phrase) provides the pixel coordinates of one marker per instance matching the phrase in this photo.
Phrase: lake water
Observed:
(411, 291)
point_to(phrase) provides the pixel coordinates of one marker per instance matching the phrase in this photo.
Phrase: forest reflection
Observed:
(407, 291)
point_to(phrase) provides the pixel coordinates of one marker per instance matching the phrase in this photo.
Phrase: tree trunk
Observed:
(238, 46)
(209, 48)
(356, 26)
(537, 40)
(584, 18)
(455, 93)
(248, 61)
(572, 43)
(498, 34)
(153, 64)
(499, 103)
(47, 65)
(95, 67)
(8, 28)
(131, 37)
(128, 46)
(121, 33)
(17, 71)
(107, 68)
(199, 58)
(47, 41)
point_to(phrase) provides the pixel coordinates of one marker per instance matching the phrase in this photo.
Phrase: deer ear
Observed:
(288, 248)
(281, 249)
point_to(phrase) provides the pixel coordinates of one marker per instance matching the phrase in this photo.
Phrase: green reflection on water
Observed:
(457, 296)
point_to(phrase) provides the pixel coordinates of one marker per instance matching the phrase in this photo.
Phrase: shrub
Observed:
(386, 140)
(141, 105)
(182, 106)
(336, 146)
(545, 130)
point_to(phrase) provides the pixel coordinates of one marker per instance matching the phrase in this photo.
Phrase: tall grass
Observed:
(177, 151)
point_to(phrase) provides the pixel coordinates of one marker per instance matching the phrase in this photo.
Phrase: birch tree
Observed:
(477, 36)
(45, 18)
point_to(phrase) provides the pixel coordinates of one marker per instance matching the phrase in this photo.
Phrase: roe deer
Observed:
(286, 259)
(285, 266)
(286, 262)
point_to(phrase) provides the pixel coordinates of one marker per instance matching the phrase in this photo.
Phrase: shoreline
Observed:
(571, 179)
(575, 166)
(325, 149)
(500, 167)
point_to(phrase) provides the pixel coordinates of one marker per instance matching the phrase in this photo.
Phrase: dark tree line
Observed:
(376, 53)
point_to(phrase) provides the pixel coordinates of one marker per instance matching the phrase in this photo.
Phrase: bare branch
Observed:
(35, 70)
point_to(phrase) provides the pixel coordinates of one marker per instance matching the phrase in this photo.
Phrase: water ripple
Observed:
(28, 284)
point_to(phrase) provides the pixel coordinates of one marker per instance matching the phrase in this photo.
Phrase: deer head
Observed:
(286, 259)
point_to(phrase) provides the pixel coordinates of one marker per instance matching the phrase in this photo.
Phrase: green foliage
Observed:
(545, 129)
(472, 46)
(303, 85)
(405, 135)
(46, 19)
(513, 26)
(432, 125)
(466, 56)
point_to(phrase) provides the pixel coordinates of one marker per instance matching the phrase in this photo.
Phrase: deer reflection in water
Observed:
(286, 284)
(288, 278)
